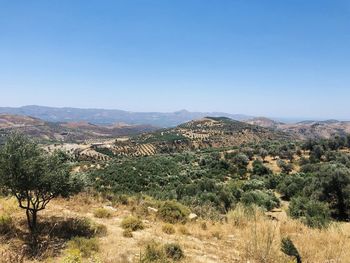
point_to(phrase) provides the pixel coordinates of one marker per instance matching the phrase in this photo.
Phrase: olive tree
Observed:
(332, 185)
(33, 176)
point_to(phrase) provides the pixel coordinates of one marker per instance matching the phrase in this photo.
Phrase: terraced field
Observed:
(200, 134)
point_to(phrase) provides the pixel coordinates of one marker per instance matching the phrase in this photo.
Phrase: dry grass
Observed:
(247, 236)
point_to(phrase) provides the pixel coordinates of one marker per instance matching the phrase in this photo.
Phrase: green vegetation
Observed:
(220, 180)
(194, 179)
(173, 212)
(102, 213)
(156, 252)
(132, 223)
(174, 251)
(34, 177)
(6, 225)
(234, 185)
(86, 246)
(165, 136)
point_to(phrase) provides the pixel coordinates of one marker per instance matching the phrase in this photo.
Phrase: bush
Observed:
(260, 169)
(102, 213)
(132, 223)
(291, 185)
(6, 225)
(72, 227)
(86, 246)
(260, 198)
(253, 184)
(153, 252)
(168, 229)
(284, 166)
(122, 199)
(173, 212)
(312, 213)
(317, 214)
(174, 251)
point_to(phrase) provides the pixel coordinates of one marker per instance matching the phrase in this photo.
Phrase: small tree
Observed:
(34, 177)
(284, 166)
(263, 153)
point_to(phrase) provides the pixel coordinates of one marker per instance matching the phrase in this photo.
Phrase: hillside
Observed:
(220, 132)
(209, 132)
(305, 129)
(264, 122)
(317, 129)
(66, 132)
(206, 206)
(103, 116)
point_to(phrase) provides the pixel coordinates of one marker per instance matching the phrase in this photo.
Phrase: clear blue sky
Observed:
(285, 58)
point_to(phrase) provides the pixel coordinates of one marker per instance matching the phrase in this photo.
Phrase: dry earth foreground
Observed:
(243, 236)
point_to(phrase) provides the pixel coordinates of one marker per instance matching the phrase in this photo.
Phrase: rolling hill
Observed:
(306, 129)
(67, 131)
(216, 132)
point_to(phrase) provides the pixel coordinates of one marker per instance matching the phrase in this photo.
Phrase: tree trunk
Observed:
(32, 225)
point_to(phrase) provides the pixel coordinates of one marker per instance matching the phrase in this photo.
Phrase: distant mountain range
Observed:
(107, 117)
(73, 124)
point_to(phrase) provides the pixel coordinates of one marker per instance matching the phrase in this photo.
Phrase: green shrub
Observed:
(260, 169)
(253, 184)
(317, 214)
(285, 167)
(291, 185)
(122, 199)
(173, 212)
(313, 213)
(102, 213)
(72, 227)
(132, 223)
(6, 225)
(265, 199)
(99, 230)
(174, 251)
(86, 246)
(168, 229)
(154, 253)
